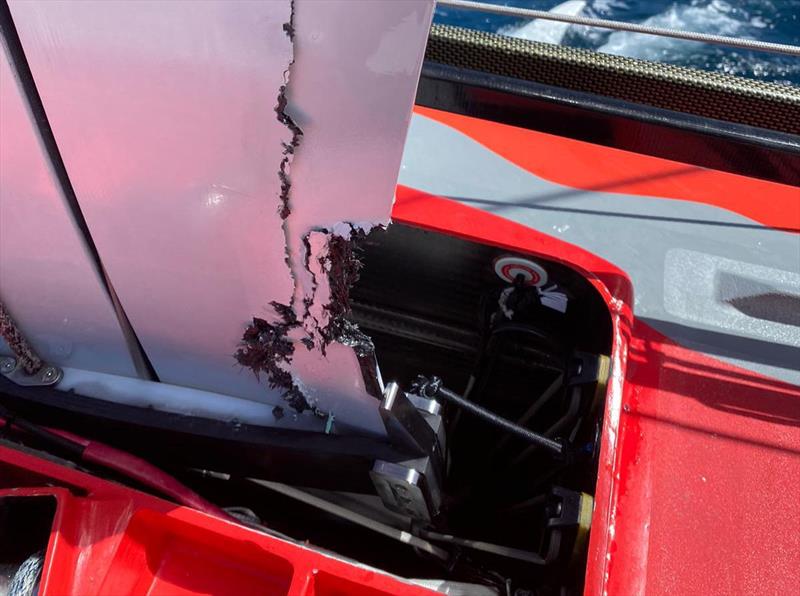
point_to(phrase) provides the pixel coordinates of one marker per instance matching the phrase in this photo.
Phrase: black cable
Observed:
(433, 388)
(71, 447)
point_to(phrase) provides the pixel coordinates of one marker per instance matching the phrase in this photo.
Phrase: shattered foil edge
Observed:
(267, 347)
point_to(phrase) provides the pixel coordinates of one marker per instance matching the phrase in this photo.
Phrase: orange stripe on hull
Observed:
(587, 166)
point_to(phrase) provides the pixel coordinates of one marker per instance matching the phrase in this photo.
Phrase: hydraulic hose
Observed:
(141, 471)
(122, 462)
(433, 389)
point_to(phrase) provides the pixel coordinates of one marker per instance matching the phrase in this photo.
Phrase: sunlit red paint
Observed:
(109, 539)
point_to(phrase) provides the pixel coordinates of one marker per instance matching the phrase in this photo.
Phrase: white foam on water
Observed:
(546, 31)
(606, 6)
(743, 20)
(717, 18)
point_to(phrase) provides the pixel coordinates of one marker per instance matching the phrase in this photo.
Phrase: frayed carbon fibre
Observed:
(265, 347)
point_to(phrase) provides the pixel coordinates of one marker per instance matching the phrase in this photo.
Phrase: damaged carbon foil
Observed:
(266, 346)
(337, 257)
(289, 146)
(331, 259)
(342, 263)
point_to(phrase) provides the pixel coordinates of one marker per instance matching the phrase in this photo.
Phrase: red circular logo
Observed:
(511, 270)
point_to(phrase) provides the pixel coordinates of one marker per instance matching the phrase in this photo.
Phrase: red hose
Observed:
(140, 470)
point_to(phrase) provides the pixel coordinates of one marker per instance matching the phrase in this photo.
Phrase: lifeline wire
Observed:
(526, 13)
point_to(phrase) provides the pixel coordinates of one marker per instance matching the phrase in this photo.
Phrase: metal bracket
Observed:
(413, 423)
(12, 370)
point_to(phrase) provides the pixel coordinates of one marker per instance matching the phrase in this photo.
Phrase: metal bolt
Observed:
(553, 509)
(49, 374)
(7, 365)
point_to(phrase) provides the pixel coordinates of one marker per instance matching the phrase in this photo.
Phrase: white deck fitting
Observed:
(47, 278)
(164, 115)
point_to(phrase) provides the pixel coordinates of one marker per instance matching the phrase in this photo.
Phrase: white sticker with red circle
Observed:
(508, 268)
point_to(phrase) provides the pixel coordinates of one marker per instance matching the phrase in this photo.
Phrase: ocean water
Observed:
(766, 20)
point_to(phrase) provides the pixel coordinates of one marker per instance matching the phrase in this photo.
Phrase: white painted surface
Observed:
(164, 113)
(47, 279)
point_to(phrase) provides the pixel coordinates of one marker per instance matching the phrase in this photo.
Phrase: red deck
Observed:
(108, 539)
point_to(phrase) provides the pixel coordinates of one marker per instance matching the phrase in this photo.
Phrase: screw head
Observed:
(49, 374)
(7, 365)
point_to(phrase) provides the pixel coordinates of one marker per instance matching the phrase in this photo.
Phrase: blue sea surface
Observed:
(765, 20)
